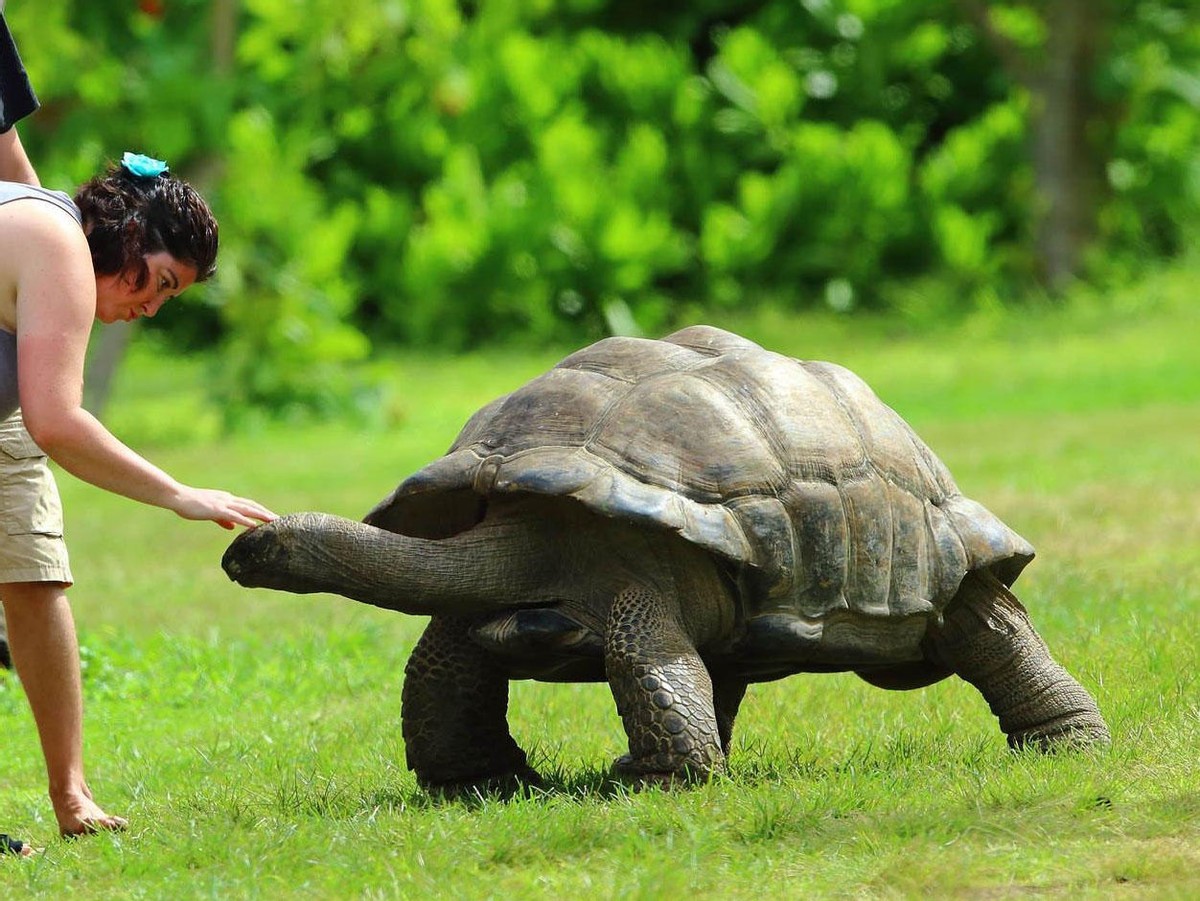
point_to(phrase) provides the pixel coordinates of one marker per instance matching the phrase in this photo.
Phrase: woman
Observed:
(131, 240)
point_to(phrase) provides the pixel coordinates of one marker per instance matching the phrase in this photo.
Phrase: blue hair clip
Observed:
(145, 166)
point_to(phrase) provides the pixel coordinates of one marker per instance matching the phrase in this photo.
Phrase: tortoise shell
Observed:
(833, 516)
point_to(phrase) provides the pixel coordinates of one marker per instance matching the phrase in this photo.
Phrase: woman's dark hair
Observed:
(127, 216)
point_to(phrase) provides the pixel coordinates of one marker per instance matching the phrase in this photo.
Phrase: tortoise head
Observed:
(279, 554)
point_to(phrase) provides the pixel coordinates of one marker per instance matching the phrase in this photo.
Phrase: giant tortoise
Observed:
(679, 518)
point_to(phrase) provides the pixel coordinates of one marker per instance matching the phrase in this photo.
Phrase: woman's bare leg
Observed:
(41, 636)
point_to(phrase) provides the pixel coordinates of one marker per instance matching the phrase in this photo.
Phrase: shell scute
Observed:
(552, 411)
(817, 516)
(652, 432)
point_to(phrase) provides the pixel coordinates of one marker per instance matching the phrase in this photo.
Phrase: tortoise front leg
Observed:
(987, 639)
(663, 692)
(454, 715)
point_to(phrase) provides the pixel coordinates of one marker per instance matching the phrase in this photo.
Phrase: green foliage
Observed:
(288, 301)
(438, 174)
(1153, 171)
(979, 192)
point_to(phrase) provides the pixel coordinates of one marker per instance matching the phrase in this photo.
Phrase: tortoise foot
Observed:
(648, 774)
(520, 782)
(1079, 734)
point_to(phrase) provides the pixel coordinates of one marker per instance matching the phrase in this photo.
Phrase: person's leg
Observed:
(35, 572)
(46, 653)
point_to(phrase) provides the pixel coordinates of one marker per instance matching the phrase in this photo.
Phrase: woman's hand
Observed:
(221, 507)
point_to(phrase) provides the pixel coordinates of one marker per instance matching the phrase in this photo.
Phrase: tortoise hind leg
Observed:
(987, 639)
(727, 698)
(663, 692)
(454, 716)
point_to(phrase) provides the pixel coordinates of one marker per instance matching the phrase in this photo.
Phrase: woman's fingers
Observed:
(225, 509)
(244, 512)
(258, 511)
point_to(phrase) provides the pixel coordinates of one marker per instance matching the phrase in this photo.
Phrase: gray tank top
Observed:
(9, 191)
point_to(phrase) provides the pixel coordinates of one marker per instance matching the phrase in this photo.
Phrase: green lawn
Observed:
(253, 737)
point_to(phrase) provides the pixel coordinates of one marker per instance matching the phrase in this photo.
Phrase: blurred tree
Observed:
(1080, 62)
(1051, 49)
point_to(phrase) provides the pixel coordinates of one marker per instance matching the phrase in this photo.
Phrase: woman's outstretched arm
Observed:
(56, 304)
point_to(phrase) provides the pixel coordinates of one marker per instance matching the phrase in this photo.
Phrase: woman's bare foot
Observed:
(78, 814)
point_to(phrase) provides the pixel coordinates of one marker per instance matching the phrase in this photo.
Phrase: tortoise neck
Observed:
(496, 565)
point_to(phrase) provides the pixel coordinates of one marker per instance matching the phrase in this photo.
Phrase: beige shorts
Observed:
(31, 540)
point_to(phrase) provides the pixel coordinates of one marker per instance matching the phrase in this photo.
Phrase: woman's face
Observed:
(117, 300)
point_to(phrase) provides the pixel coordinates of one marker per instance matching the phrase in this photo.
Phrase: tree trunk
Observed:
(1065, 168)
(224, 35)
(1063, 163)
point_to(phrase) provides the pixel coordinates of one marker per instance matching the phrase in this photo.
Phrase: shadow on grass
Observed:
(869, 776)
(592, 784)
(558, 782)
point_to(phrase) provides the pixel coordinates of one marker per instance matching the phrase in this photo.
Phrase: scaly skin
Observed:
(663, 692)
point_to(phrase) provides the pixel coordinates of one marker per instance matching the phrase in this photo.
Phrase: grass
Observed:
(253, 737)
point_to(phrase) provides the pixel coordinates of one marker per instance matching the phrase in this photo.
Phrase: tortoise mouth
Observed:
(249, 558)
(262, 557)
